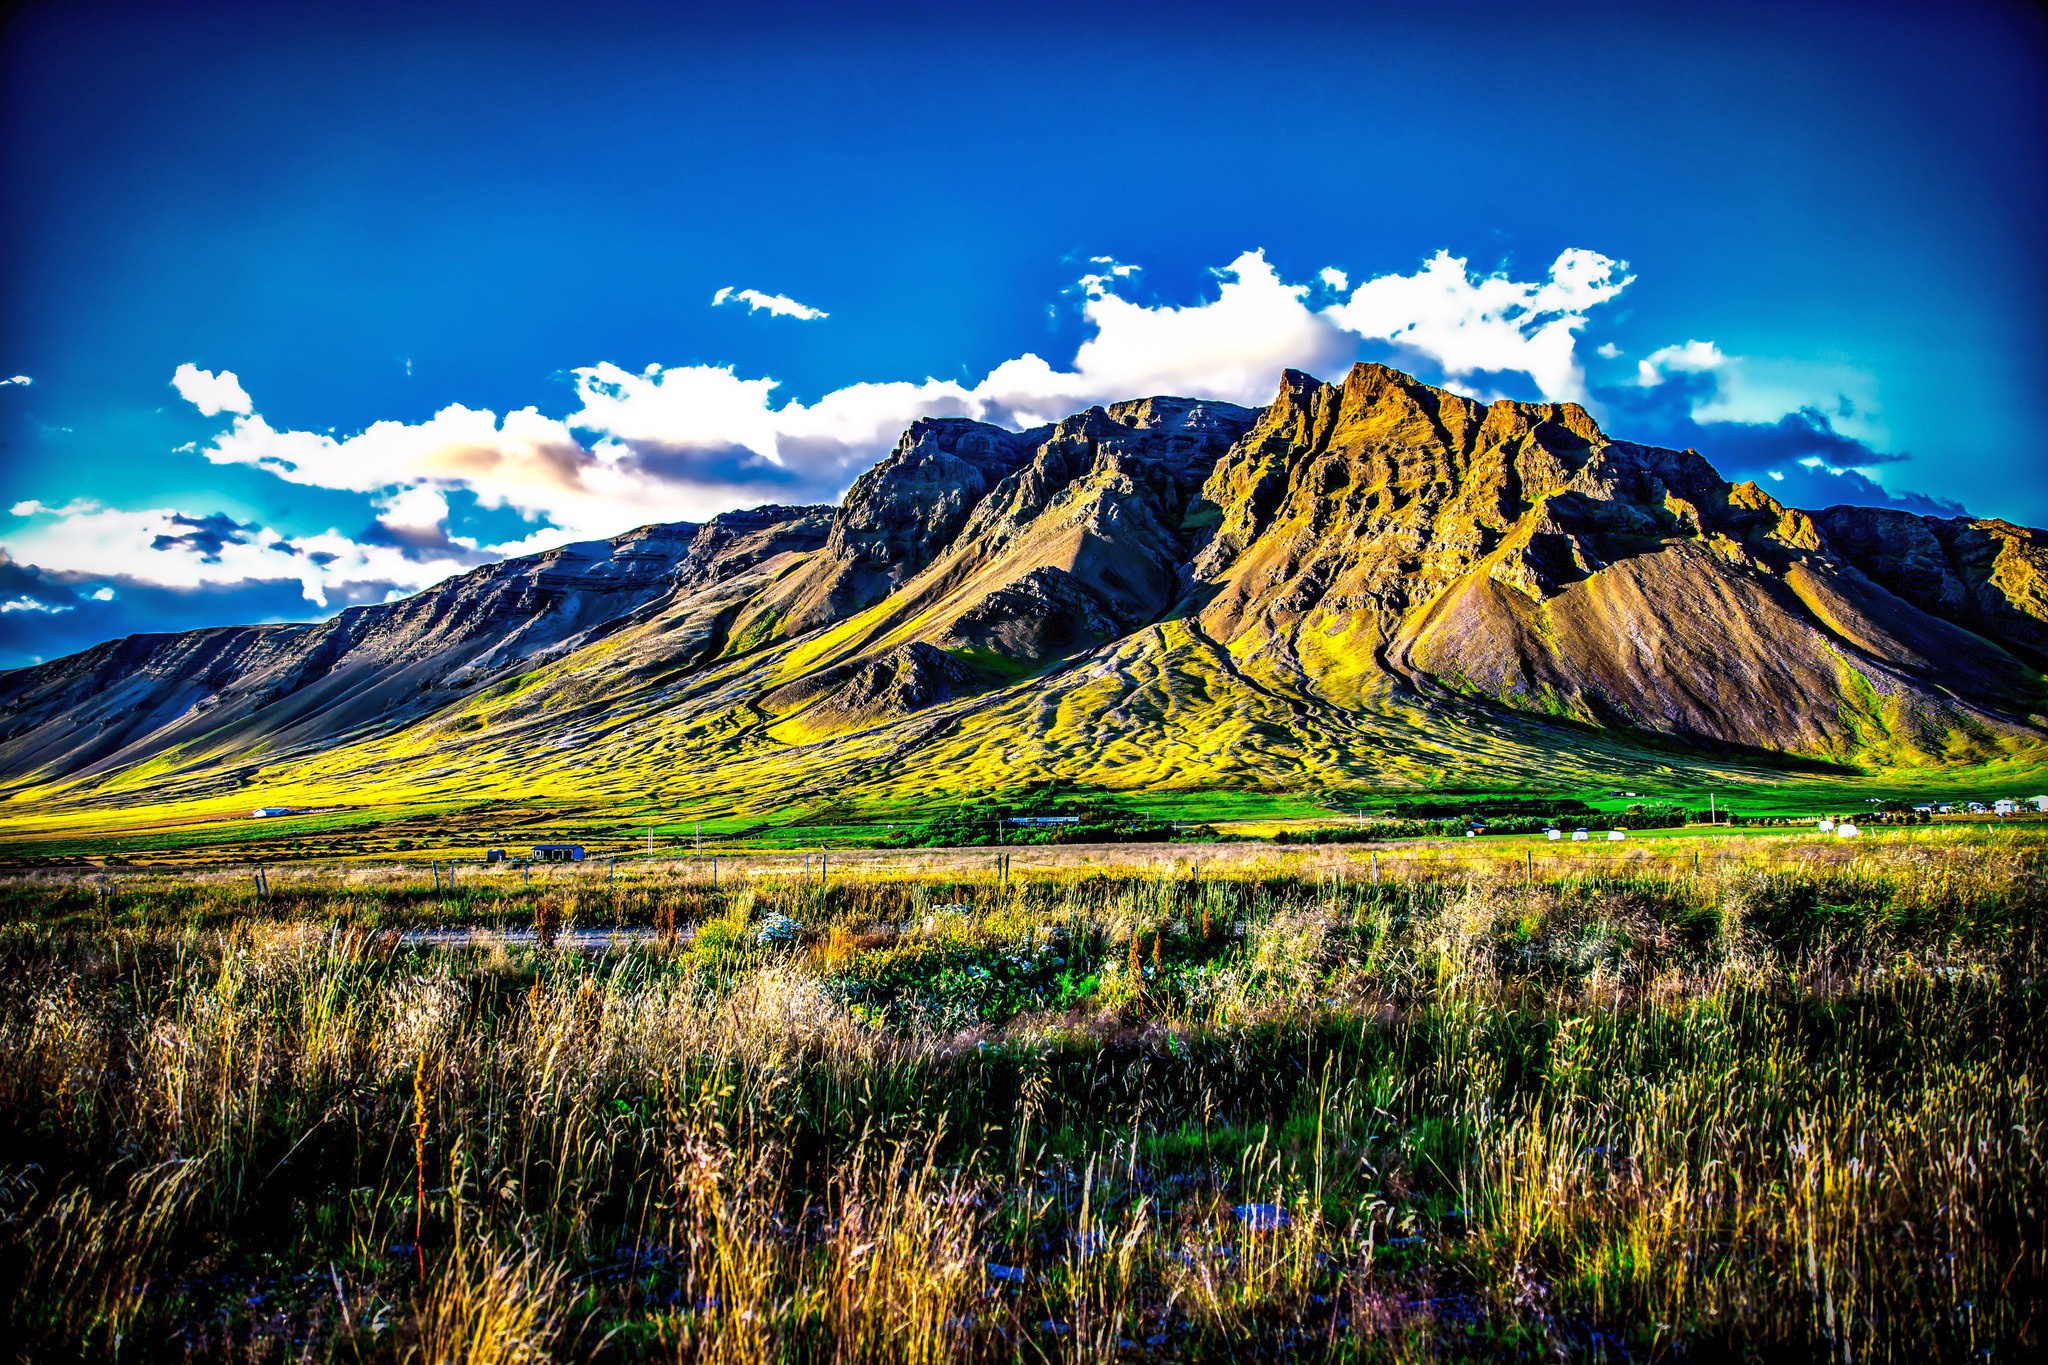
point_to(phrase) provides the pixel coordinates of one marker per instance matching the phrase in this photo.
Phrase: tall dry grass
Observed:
(1791, 1105)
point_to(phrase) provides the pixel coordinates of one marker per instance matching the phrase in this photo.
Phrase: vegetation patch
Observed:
(1781, 1105)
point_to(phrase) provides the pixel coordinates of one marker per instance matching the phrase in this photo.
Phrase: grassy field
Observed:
(1672, 1098)
(368, 823)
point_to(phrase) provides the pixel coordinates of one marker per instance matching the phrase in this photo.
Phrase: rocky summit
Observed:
(1370, 582)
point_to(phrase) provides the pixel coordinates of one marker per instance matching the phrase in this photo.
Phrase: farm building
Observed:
(558, 853)
(270, 812)
(2005, 805)
(1045, 819)
(2039, 803)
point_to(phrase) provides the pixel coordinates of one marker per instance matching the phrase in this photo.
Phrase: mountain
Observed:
(1376, 581)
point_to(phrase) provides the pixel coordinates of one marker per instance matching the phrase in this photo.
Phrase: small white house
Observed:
(1615, 836)
(2039, 803)
(1827, 824)
(1553, 834)
(269, 812)
(1924, 808)
(1945, 808)
(1845, 830)
(1579, 836)
(2005, 805)
(1975, 808)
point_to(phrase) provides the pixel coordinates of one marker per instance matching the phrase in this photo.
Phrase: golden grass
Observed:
(1789, 1104)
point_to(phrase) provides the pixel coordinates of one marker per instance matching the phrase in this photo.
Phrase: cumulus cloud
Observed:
(18, 381)
(167, 548)
(683, 441)
(1694, 357)
(211, 393)
(1761, 389)
(775, 305)
(687, 441)
(1112, 269)
(1807, 456)
(1476, 325)
(60, 613)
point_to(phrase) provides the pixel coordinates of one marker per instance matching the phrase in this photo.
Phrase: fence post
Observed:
(526, 873)
(608, 871)
(1375, 867)
(714, 872)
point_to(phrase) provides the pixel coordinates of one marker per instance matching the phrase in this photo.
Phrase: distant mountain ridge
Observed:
(1373, 581)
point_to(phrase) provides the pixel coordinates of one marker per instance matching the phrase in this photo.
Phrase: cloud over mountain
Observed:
(677, 442)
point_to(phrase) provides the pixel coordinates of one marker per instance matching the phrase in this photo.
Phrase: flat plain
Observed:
(1688, 1095)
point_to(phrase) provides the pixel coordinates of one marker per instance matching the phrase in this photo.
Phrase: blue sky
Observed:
(307, 306)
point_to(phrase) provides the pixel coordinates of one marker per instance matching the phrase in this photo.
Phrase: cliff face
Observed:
(1990, 576)
(1082, 540)
(1384, 534)
(894, 519)
(1372, 577)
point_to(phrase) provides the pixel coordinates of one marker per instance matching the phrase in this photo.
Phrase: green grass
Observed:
(1787, 1106)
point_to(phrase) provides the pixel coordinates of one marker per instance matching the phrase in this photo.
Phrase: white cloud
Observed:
(415, 514)
(685, 442)
(20, 380)
(1116, 269)
(1694, 357)
(163, 547)
(26, 603)
(1607, 350)
(103, 595)
(528, 463)
(1475, 325)
(775, 305)
(1231, 347)
(1764, 389)
(211, 393)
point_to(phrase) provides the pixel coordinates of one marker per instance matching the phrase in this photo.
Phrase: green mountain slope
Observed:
(1376, 582)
